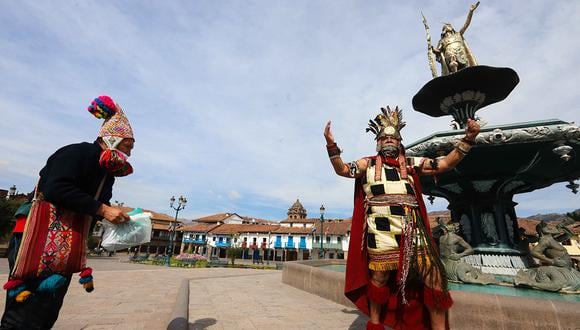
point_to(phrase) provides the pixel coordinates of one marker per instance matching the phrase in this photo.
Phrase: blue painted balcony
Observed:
(302, 245)
(193, 241)
(290, 245)
(222, 244)
(278, 245)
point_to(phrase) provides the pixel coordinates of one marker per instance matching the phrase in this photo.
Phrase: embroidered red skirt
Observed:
(54, 241)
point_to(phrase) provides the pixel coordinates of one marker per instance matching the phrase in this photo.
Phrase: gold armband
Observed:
(463, 147)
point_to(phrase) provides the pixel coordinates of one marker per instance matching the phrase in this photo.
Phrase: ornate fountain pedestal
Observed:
(505, 160)
(464, 92)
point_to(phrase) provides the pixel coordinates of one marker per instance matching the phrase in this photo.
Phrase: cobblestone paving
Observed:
(131, 296)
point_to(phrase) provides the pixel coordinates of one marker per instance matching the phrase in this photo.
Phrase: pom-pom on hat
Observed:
(116, 123)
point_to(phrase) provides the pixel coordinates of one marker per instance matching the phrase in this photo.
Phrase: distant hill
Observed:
(571, 220)
(548, 217)
(575, 215)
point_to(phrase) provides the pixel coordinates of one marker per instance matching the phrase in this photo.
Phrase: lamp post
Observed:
(321, 231)
(268, 250)
(180, 206)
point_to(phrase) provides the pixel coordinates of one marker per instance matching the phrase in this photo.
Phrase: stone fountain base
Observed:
(470, 311)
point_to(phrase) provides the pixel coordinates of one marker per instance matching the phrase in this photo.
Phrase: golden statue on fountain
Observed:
(452, 50)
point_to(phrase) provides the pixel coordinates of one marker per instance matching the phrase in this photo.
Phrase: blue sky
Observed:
(228, 99)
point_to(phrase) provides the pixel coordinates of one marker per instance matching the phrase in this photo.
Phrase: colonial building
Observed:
(294, 237)
(331, 238)
(221, 218)
(13, 193)
(292, 243)
(290, 239)
(195, 237)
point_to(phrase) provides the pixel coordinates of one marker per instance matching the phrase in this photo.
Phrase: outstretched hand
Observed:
(472, 129)
(473, 7)
(328, 134)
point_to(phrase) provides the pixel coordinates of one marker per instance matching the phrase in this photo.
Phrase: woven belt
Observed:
(394, 199)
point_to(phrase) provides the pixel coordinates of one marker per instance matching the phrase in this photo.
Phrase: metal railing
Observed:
(223, 244)
(193, 241)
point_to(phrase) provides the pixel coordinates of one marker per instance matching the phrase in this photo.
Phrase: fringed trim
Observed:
(379, 295)
(424, 263)
(374, 326)
(437, 299)
(383, 266)
(11, 284)
(87, 279)
(17, 289)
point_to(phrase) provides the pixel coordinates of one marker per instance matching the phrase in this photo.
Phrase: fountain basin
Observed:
(471, 310)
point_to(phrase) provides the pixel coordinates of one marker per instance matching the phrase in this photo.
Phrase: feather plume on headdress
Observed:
(388, 122)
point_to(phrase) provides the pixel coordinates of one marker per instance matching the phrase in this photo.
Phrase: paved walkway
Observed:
(132, 296)
(259, 300)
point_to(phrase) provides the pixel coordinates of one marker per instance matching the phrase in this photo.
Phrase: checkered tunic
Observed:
(384, 220)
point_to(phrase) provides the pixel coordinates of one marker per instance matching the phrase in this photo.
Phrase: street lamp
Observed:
(268, 250)
(180, 206)
(321, 231)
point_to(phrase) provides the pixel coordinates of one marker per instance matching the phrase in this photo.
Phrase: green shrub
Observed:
(233, 254)
(7, 209)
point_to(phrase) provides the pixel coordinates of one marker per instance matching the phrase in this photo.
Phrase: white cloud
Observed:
(228, 100)
(234, 194)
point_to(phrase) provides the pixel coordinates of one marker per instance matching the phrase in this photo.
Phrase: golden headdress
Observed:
(387, 123)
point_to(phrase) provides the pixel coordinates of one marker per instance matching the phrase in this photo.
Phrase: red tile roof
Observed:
(219, 217)
(334, 226)
(528, 225)
(160, 226)
(433, 215)
(308, 220)
(199, 227)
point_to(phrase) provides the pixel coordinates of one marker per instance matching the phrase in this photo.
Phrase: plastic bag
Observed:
(131, 233)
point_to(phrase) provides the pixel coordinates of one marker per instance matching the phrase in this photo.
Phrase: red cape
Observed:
(398, 316)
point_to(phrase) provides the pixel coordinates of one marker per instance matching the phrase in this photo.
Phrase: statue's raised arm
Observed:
(468, 19)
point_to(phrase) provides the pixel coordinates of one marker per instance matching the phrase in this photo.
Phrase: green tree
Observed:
(233, 253)
(7, 209)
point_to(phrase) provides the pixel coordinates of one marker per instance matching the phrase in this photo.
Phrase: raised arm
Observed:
(348, 170)
(468, 19)
(439, 165)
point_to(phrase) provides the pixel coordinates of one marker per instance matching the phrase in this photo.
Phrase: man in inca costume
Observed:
(393, 271)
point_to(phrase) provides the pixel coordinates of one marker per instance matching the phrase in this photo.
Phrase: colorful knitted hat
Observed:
(116, 124)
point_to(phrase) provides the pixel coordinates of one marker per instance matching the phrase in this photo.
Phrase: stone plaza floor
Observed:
(133, 296)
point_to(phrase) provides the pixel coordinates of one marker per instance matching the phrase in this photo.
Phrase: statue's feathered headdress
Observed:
(388, 122)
